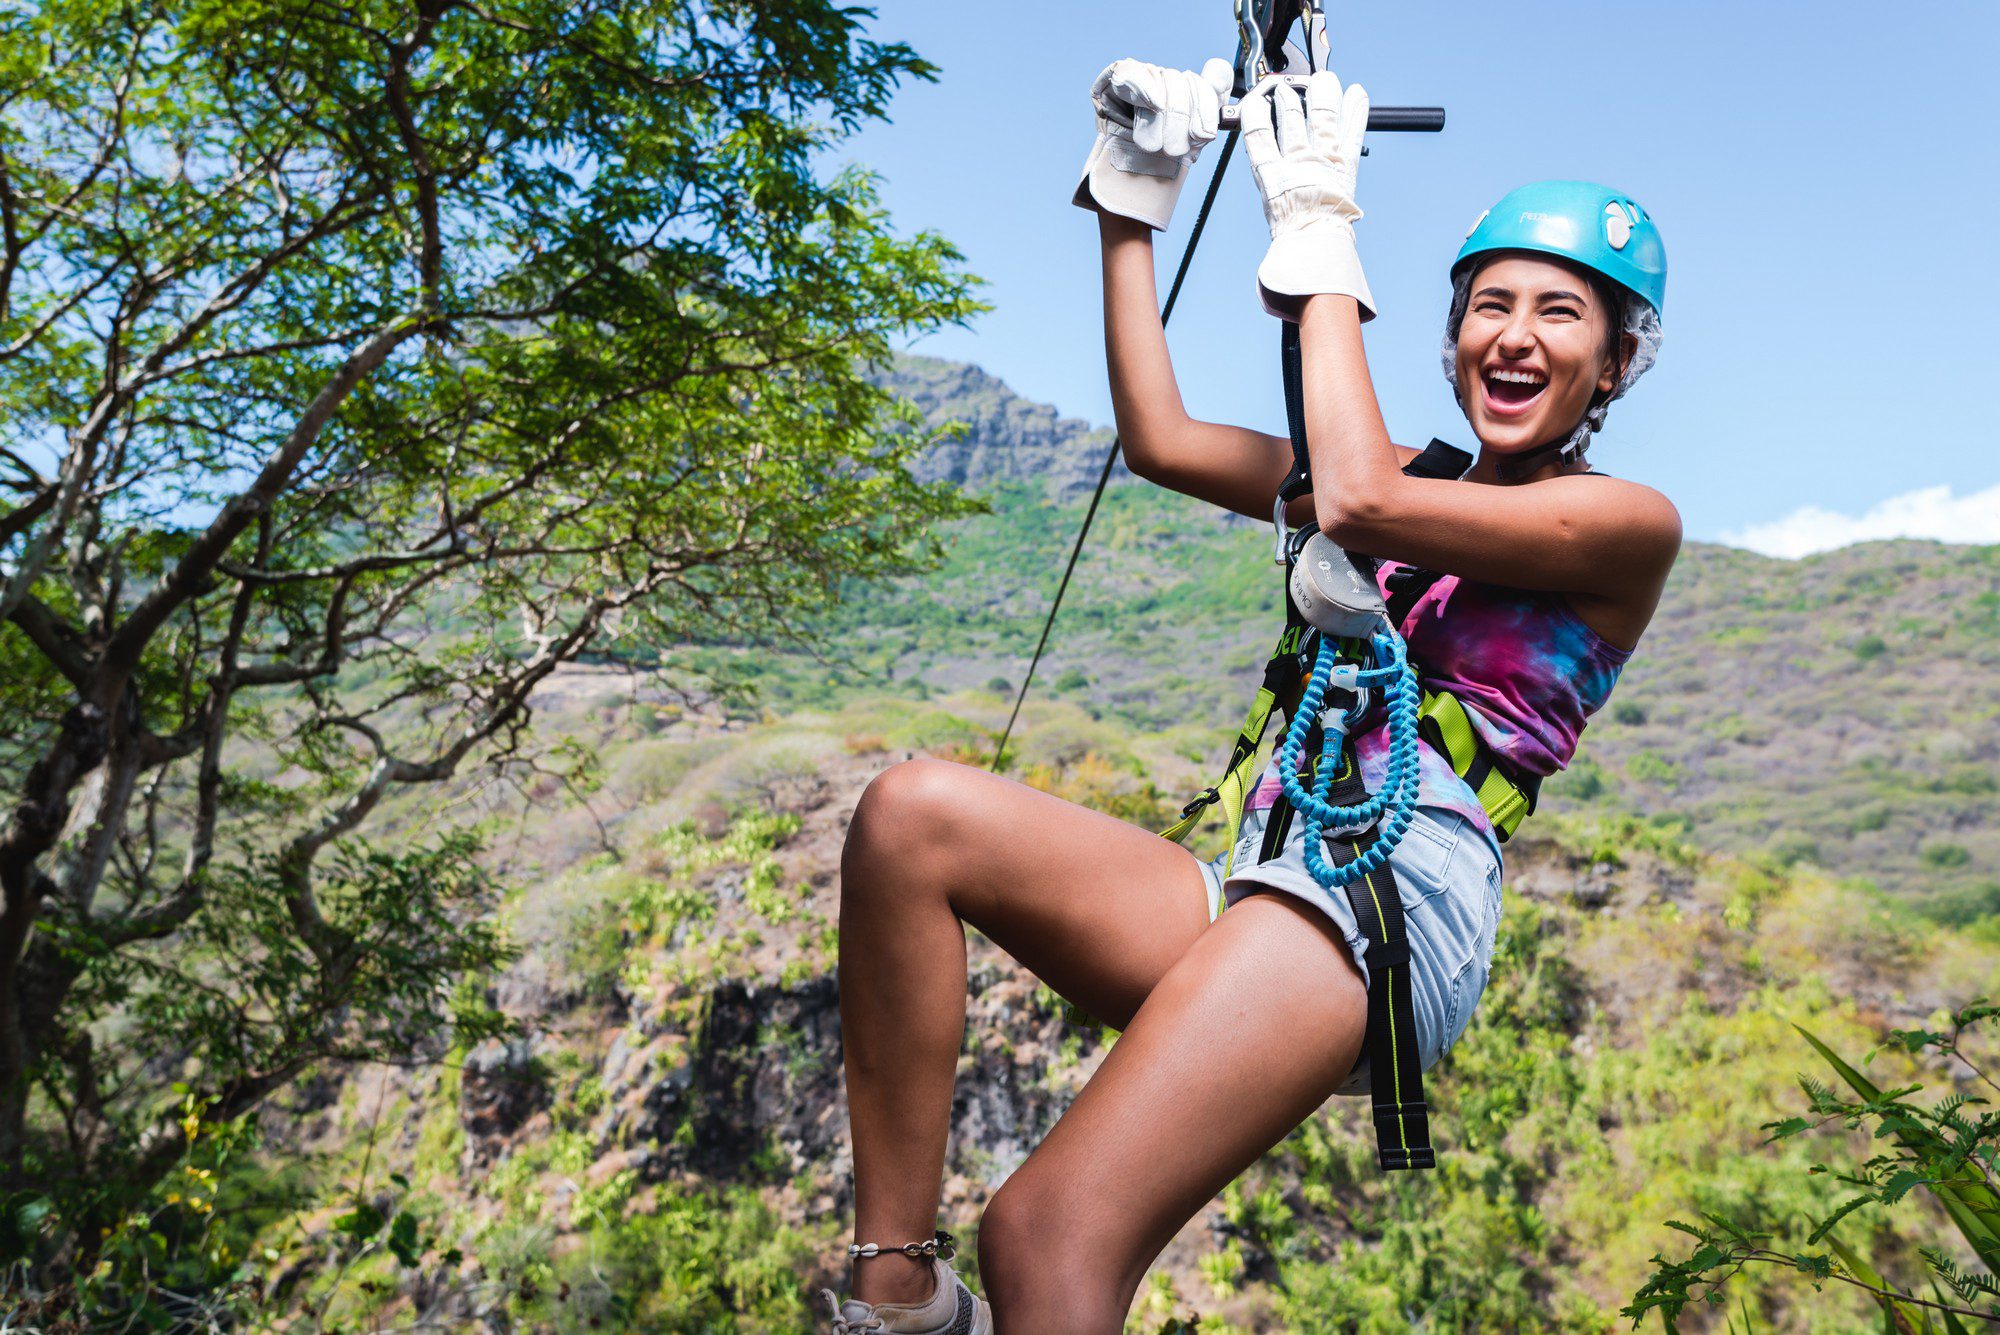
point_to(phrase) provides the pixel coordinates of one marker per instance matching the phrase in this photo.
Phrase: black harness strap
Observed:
(1406, 588)
(1299, 481)
(1396, 1083)
(1408, 585)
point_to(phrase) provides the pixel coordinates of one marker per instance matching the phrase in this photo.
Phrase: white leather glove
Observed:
(1152, 123)
(1305, 168)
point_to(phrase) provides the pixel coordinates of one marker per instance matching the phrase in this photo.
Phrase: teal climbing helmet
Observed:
(1602, 229)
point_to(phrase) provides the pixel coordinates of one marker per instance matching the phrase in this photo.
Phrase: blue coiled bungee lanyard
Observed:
(1396, 803)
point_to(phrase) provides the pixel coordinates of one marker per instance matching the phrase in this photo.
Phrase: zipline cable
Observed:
(1111, 456)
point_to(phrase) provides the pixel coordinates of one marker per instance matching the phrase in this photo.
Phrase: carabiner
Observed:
(1252, 65)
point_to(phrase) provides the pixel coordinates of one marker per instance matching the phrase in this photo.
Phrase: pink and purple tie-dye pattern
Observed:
(1524, 665)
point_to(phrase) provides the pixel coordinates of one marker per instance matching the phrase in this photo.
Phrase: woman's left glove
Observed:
(1152, 123)
(1305, 153)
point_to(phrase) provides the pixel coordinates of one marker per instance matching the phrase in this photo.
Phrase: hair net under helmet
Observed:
(1593, 226)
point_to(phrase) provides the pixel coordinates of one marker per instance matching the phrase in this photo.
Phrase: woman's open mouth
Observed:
(1510, 392)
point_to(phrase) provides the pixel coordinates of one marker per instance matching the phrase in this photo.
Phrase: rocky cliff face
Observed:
(1006, 438)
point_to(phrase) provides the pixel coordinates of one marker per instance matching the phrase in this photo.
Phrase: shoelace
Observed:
(841, 1325)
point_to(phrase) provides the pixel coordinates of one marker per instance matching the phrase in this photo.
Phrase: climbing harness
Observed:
(1262, 26)
(1506, 796)
(1337, 618)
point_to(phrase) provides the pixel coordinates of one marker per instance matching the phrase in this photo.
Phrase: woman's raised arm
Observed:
(1234, 467)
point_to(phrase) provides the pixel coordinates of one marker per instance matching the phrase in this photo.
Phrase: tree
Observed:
(363, 364)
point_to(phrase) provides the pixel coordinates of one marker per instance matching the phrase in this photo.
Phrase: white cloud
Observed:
(1929, 512)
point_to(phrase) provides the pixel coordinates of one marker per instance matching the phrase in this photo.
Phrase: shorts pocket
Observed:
(1422, 862)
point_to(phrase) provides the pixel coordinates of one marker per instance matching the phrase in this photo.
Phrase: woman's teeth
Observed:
(1513, 389)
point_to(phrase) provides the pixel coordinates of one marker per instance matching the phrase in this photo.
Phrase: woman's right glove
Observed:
(1152, 124)
(1305, 170)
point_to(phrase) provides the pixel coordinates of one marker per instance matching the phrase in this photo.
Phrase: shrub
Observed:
(1946, 855)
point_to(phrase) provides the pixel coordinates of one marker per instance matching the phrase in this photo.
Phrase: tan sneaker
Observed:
(952, 1309)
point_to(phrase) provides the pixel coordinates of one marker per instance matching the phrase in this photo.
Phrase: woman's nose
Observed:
(1517, 336)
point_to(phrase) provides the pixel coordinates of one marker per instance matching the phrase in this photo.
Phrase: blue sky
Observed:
(1825, 177)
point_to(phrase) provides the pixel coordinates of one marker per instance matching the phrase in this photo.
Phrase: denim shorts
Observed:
(1448, 872)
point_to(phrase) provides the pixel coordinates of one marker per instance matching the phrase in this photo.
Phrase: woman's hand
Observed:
(1152, 123)
(1305, 153)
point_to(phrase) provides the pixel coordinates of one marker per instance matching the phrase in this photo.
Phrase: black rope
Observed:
(1111, 455)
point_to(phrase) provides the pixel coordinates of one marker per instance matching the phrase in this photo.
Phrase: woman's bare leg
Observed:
(1097, 909)
(1249, 1032)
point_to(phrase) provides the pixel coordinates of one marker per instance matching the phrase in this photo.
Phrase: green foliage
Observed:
(467, 344)
(246, 994)
(1945, 1149)
(1651, 767)
(199, 1248)
(695, 1262)
(1583, 781)
(629, 916)
(1962, 908)
(160, 1242)
(1609, 839)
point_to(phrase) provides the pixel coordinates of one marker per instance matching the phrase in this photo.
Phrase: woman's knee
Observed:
(1042, 1268)
(904, 821)
(908, 802)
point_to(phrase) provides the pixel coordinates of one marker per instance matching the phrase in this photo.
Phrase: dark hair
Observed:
(1614, 301)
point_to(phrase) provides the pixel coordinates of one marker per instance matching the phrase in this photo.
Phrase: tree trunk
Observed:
(27, 1007)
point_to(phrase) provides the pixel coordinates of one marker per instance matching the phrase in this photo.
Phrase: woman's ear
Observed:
(1628, 346)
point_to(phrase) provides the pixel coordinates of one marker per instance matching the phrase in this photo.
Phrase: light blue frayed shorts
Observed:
(1448, 872)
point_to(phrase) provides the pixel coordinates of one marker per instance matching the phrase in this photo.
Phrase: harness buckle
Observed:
(1207, 797)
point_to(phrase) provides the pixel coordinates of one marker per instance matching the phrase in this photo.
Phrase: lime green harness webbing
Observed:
(1442, 721)
(1232, 790)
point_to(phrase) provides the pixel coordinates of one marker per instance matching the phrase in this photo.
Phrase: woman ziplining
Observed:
(1517, 586)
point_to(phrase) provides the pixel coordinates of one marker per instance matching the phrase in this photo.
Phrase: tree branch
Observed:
(121, 653)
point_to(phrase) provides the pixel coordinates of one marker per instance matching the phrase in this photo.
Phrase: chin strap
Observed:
(1517, 466)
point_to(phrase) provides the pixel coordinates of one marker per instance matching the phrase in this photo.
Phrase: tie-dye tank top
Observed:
(1522, 662)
